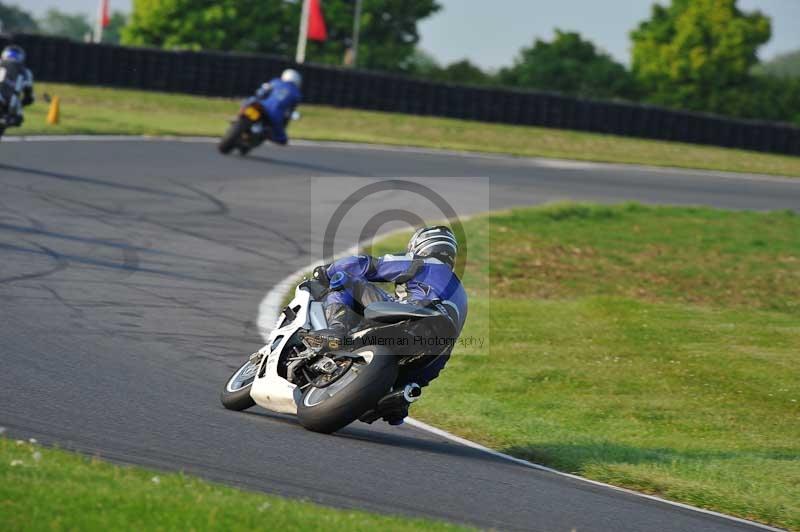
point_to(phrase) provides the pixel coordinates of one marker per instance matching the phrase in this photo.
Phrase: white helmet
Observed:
(437, 241)
(292, 76)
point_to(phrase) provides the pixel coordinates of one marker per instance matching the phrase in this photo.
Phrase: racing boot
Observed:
(393, 407)
(339, 317)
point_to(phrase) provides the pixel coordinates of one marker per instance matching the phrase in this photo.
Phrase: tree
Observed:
(785, 66)
(14, 19)
(111, 33)
(425, 66)
(74, 26)
(571, 65)
(422, 64)
(464, 72)
(241, 25)
(693, 53)
(388, 28)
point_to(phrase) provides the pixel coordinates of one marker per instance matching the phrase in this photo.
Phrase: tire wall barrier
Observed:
(235, 75)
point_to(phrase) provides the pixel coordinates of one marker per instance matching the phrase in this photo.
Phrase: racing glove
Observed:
(320, 274)
(263, 91)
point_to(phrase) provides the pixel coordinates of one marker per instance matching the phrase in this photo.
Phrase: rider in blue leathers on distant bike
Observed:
(279, 98)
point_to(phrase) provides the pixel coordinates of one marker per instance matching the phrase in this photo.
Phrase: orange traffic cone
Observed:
(54, 115)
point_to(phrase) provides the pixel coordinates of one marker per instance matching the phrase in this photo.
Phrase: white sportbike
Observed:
(329, 390)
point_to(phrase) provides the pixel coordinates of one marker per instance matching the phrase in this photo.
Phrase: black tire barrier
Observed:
(225, 74)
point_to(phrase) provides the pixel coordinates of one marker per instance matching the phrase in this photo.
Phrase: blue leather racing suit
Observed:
(279, 99)
(418, 281)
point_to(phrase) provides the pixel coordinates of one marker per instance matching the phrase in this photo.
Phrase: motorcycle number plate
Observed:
(2, 74)
(252, 113)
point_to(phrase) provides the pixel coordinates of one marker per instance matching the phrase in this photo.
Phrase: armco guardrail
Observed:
(233, 74)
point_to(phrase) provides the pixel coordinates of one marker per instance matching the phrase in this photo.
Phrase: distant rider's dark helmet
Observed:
(13, 53)
(437, 242)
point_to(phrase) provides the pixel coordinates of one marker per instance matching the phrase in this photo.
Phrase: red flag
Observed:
(102, 20)
(316, 23)
(104, 17)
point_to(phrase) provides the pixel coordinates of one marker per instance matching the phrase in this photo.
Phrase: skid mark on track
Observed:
(89, 261)
(180, 303)
(112, 243)
(118, 221)
(216, 241)
(91, 181)
(299, 250)
(220, 207)
(61, 262)
(76, 309)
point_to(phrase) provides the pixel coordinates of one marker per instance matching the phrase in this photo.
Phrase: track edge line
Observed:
(477, 446)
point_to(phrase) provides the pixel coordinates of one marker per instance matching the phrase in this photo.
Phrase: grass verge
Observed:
(651, 348)
(49, 489)
(111, 111)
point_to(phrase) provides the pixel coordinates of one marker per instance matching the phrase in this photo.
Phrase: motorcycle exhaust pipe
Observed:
(392, 401)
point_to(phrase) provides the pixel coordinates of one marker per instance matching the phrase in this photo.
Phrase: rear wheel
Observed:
(236, 393)
(338, 404)
(232, 137)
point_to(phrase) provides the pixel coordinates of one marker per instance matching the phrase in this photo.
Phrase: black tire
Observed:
(353, 397)
(2, 130)
(232, 137)
(236, 392)
(243, 150)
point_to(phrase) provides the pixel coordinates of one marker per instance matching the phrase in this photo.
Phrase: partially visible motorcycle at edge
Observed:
(10, 103)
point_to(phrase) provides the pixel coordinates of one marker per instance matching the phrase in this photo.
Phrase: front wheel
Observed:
(333, 407)
(236, 393)
(232, 137)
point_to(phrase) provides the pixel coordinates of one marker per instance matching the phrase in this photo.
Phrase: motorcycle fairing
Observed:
(269, 389)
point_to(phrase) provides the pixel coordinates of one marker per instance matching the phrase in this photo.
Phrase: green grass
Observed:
(49, 489)
(652, 348)
(97, 110)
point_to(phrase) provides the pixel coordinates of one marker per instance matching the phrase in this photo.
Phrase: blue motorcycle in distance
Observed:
(249, 129)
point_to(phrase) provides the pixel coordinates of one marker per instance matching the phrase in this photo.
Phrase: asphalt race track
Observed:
(131, 272)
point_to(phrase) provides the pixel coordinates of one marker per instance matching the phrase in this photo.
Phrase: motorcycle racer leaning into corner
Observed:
(423, 276)
(16, 84)
(280, 97)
